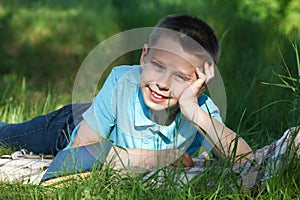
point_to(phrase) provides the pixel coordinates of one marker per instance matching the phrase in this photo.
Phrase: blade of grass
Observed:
(297, 59)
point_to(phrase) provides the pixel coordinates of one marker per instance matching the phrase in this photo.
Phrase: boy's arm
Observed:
(223, 139)
(219, 136)
(129, 157)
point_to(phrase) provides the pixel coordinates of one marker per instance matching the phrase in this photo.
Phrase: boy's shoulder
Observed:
(129, 73)
(123, 69)
(207, 104)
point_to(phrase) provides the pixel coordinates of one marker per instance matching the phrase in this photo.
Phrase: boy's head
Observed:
(186, 27)
(177, 46)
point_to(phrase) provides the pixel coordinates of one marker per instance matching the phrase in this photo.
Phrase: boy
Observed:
(173, 71)
(156, 109)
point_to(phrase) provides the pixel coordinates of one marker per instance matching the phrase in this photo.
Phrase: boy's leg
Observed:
(2, 124)
(45, 134)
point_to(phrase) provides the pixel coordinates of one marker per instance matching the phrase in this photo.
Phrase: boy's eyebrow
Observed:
(159, 61)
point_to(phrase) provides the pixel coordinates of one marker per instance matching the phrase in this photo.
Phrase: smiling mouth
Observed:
(157, 97)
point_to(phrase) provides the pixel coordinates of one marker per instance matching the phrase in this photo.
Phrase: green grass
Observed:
(215, 183)
(44, 42)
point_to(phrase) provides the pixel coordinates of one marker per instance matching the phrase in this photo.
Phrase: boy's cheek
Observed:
(178, 90)
(145, 77)
(148, 75)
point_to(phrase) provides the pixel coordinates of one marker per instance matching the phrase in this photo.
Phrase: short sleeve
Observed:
(210, 107)
(101, 115)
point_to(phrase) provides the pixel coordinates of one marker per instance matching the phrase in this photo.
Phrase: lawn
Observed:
(43, 44)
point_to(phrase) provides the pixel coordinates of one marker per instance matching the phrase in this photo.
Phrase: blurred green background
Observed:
(43, 43)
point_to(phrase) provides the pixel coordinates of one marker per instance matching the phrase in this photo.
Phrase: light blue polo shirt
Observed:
(119, 114)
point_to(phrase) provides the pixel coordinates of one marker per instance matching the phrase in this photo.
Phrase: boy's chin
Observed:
(161, 108)
(158, 109)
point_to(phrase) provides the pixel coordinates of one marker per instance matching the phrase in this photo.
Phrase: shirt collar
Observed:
(142, 117)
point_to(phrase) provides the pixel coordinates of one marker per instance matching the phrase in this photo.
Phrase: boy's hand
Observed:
(186, 160)
(190, 96)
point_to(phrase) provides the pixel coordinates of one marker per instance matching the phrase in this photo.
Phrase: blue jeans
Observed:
(47, 134)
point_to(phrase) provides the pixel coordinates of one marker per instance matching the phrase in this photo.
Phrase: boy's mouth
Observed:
(157, 98)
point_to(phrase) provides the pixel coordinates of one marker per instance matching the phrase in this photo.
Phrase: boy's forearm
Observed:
(124, 158)
(219, 136)
(119, 158)
(229, 145)
(233, 147)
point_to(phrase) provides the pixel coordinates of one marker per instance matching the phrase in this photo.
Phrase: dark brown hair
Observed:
(186, 28)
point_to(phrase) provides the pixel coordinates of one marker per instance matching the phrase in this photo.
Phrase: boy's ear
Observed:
(144, 55)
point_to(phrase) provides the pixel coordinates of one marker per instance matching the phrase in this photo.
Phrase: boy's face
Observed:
(167, 71)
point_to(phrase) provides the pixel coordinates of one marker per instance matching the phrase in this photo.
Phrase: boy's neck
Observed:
(165, 117)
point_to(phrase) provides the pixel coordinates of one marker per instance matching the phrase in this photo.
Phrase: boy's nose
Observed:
(163, 82)
(162, 87)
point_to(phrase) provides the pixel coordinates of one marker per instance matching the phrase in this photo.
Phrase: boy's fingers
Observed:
(200, 75)
(188, 161)
(196, 88)
(209, 71)
(202, 79)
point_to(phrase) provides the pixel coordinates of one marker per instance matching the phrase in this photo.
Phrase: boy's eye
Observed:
(181, 77)
(157, 65)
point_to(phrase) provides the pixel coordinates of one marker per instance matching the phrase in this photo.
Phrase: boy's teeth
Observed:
(156, 95)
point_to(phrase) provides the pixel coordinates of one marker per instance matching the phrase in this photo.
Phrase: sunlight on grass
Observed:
(46, 24)
(18, 104)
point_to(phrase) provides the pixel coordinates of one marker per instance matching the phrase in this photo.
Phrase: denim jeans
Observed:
(46, 134)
